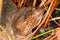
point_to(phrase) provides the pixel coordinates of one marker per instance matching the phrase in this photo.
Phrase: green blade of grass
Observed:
(42, 34)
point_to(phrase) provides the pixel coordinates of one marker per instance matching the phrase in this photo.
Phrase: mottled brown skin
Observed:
(27, 22)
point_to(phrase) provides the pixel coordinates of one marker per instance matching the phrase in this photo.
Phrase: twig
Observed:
(34, 3)
(42, 3)
(55, 3)
(20, 3)
(45, 3)
(57, 9)
(1, 1)
(52, 38)
(3, 35)
(55, 21)
(56, 18)
(48, 2)
(6, 33)
(45, 6)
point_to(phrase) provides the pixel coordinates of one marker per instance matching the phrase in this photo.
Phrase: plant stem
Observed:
(42, 34)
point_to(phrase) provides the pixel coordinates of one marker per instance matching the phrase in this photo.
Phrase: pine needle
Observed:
(5, 33)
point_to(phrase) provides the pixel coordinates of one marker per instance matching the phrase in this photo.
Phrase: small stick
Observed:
(55, 3)
(52, 38)
(5, 32)
(45, 3)
(42, 3)
(55, 21)
(0, 8)
(57, 9)
(56, 18)
(48, 2)
(34, 3)
(20, 3)
(4, 35)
